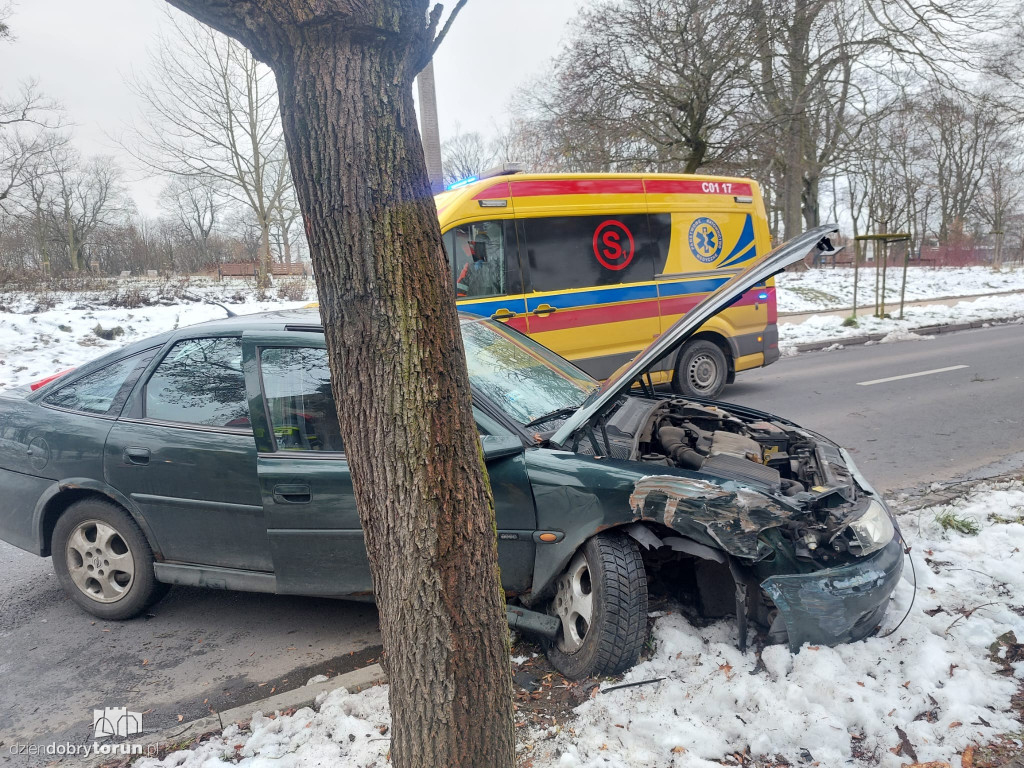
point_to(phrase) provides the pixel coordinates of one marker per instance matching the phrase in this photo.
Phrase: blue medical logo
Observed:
(705, 239)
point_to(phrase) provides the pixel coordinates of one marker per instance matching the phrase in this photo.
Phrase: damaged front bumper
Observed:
(836, 605)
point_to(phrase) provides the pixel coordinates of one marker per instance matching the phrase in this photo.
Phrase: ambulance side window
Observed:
(478, 254)
(567, 252)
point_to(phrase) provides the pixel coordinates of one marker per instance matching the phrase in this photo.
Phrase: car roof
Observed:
(306, 318)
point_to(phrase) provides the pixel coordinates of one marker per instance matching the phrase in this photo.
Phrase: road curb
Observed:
(181, 736)
(924, 330)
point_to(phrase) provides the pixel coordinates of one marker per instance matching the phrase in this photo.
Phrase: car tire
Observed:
(607, 574)
(701, 370)
(103, 560)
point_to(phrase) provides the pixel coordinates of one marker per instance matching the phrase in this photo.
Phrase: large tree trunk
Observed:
(397, 363)
(403, 399)
(264, 261)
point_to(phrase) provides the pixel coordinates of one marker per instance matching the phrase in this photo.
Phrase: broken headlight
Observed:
(872, 530)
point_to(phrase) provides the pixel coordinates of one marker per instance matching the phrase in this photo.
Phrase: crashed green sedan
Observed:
(211, 456)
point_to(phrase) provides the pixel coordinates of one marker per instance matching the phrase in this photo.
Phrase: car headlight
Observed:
(872, 530)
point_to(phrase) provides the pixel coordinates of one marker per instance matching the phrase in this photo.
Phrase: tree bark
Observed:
(397, 362)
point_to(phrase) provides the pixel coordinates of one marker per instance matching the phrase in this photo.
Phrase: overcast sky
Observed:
(81, 52)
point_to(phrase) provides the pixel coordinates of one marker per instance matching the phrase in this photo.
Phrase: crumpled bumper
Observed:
(837, 605)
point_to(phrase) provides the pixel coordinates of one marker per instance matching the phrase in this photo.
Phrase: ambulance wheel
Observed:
(701, 370)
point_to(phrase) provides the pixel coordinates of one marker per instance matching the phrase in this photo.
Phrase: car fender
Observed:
(39, 514)
(582, 496)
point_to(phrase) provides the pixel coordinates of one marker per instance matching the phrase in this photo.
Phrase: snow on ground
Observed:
(934, 678)
(828, 327)
(42, 334)
(820, 289)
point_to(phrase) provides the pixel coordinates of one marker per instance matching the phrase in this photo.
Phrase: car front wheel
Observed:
(701, 370)
(601, 600)
(103, 561)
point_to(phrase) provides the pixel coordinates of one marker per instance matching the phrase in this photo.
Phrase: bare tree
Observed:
(999, 205)
(464, 155)
(194, 205)
(811, 54)
(345, 72)
(30, 131)
(5, 14)
(963, 131)
(661, 87)
(211, 113)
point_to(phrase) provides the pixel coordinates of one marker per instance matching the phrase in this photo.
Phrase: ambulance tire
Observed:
(702, 370)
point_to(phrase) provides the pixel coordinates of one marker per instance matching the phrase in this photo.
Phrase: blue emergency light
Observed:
(462, 182)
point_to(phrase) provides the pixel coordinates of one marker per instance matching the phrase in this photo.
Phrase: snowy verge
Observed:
(830, 328)
(824, 289)
(43, 334)
(937, 679)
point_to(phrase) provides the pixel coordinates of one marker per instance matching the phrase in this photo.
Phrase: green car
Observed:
(211, 456)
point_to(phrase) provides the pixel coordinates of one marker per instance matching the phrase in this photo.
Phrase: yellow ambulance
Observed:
(596, 266)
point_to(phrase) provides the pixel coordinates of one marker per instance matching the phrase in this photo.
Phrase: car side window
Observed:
(567, 252)
(300, 404)
(200, 382)
(95, 392)
(478, 254)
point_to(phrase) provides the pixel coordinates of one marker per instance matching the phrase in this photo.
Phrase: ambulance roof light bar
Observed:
(505, 169)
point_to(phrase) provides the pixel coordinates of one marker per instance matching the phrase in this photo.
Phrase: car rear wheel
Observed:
(701, 370)
(601, 600)
(103, 561)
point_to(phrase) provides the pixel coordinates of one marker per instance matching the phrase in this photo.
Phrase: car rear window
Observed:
(95, 392)
(200, 381)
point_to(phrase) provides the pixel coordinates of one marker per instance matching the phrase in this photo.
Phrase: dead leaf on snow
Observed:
(967, 758)
(678, 750)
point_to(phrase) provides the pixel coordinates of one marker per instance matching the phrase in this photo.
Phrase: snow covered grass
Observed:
(937, 678)
(41, 334)
(823, 289)
(827, 328)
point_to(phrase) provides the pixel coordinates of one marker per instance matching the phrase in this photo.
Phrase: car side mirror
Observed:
(499, 446)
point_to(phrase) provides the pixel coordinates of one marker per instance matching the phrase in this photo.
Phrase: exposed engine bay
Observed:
(814, 496)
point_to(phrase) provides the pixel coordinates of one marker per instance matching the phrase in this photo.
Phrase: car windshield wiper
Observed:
(553, 415)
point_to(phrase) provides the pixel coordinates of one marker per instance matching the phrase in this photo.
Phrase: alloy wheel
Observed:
(99, 561)
(574, 603)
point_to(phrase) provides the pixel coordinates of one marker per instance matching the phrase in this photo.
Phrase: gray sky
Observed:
(80, 53)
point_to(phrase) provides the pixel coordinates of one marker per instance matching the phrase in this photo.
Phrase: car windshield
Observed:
(522, 378)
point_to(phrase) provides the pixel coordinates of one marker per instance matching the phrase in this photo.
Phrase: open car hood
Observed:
(623, 379)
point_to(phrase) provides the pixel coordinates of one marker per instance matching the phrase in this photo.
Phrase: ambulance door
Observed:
(483, 257)
(591, 295)
(704, 239)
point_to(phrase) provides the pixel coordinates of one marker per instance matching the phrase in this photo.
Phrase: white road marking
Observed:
(911, 375)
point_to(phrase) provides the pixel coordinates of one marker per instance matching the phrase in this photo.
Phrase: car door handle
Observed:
(503, 315)
(292, 494)
(136, 456)
(544, 309)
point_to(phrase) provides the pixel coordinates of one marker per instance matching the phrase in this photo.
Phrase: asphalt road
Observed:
(202, 649)
(967, 422)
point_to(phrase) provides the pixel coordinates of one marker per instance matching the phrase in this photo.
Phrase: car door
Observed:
(183, 452)
(316, 541)
(312, 523)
